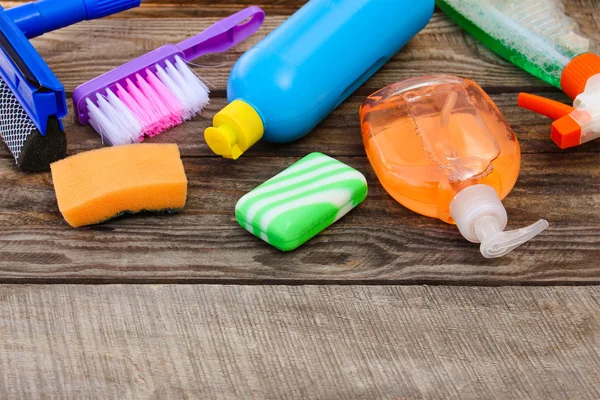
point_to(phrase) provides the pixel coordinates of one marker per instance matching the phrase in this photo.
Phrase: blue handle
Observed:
(35, 19)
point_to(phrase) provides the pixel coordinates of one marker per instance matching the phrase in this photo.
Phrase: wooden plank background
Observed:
(328, 320)
(299, 342)
(379, 241)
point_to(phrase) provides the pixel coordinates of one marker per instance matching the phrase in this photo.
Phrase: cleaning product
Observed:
(158, 91)
(284, 86)
(537, 36)
(32, 100)
(575, 125)
(440, 147)
(98, 185)
(295, 205)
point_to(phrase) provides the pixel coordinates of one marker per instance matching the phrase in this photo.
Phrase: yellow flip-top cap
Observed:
(236, 128)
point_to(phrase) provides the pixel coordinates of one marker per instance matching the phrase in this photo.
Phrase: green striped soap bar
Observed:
(294, 206)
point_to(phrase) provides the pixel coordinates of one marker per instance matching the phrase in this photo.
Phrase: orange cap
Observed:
(577, 73)
(566, 132)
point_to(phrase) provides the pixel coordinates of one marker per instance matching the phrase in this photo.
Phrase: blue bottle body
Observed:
(310, 64)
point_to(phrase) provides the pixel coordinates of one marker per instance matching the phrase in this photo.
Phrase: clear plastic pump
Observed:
(481, 218)
(440, 147)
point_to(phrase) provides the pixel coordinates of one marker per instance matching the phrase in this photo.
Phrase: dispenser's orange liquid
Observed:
(428, 138)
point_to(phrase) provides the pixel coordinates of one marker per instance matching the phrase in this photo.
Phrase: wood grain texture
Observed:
(337, 135)
(442, 47)
(298, 342)
(378, 241)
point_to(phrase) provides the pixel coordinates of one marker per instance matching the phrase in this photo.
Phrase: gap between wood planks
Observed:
(294, 282)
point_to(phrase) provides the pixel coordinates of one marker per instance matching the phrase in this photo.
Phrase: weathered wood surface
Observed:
(379, 241)
(299, 342)
(347, 342)
(442, 47)
(338, 135)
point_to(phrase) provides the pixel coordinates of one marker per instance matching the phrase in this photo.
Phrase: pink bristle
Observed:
(167, 98)
(157, 121)
(165, 117)
(152, 103)
(143, 117)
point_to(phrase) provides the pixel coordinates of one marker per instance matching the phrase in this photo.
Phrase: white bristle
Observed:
(199, 88)
(179, 80)
(189, 83)
(98, 120)
(113, 120)
(130, 121)
(149, 104)
(180, 93)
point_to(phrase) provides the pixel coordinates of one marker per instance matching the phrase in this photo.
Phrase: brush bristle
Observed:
(148, 105)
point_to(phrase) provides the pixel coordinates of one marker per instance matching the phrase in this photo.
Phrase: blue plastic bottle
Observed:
(285, 85)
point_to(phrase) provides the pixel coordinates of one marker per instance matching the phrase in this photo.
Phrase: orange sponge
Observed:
(98, 185)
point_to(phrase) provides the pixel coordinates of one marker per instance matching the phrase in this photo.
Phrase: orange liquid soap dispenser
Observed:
(440, 147)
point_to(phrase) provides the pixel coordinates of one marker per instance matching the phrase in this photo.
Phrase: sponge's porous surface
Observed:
(97, 185)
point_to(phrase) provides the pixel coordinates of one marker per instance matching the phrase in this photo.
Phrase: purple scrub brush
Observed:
(158, 91)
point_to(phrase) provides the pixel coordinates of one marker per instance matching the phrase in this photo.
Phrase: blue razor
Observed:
(32, 100)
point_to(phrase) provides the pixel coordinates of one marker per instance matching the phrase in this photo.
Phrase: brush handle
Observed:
(224, 34)
(42, 16)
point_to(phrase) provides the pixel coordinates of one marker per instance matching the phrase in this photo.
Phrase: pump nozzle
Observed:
(580, 123)
(496, 243)
(481, 218)
(573, 125)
